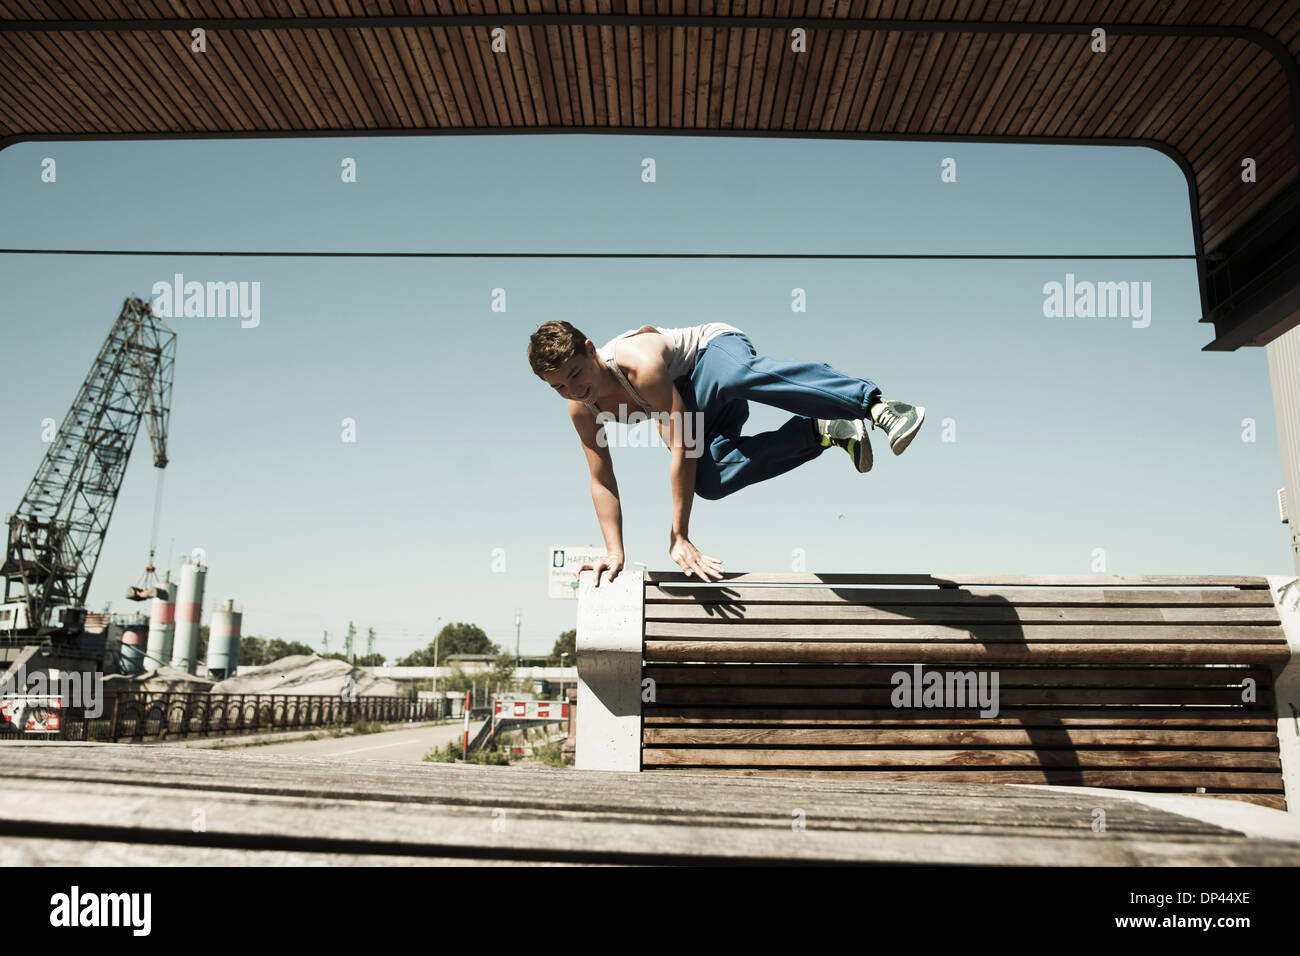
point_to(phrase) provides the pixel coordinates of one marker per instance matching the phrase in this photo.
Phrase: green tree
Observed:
(252, 650)
(458, 638)
(458, 681)
(255, 650)
(503, 674)
(276, 649)
(461, 638)
(566, 643)
(371, 660)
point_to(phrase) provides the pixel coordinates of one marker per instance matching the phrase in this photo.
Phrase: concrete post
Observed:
(1284, 372)
(611, 629)
(569, 751)
(1286, 688)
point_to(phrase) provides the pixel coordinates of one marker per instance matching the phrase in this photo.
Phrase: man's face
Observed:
(577, 379)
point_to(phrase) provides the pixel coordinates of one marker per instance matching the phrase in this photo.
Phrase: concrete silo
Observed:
(135, 636)
(162, 627)
(223, 641)
(189, 604)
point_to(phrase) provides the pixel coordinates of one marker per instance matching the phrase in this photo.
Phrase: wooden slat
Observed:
(1253, 83)
(669, 695)
(993, 612)
(874, 632)
(870, 675)
(1191, 760)
(39, 852)
(824, 651)
(1057, 776)
(1157, 55)
(830, 79)
(760, 65)
(917, 737)
(1149, 718)
(1117, 74)
(987, 580)
(1189, 60)
(1187, 114)
(1020, 597)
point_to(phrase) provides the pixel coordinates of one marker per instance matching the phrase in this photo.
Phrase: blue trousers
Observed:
(728, 374)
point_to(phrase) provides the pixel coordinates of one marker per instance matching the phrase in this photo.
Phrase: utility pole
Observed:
(370, 642)
(517, 611)
(347, 643)
(325, 644)
(436, 637)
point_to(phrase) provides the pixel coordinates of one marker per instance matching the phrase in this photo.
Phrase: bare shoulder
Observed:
(579, 412)
(584, 420)
(644, 355)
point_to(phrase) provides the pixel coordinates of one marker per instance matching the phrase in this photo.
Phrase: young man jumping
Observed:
(706, 374)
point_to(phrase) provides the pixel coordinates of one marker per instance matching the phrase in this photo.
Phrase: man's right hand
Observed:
(613, 563)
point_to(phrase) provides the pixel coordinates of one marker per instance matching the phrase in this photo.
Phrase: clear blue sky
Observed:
(1072, 434)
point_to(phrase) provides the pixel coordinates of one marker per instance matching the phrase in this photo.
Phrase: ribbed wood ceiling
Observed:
(1213, 96)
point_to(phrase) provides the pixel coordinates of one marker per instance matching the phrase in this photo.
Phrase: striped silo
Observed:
(223, 641)
(189, 604)
(162, 628)
(135, 637)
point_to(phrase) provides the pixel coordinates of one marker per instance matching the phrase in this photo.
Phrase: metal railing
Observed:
(148, 715)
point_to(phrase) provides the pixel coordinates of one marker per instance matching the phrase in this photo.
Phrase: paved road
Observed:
(405, 745)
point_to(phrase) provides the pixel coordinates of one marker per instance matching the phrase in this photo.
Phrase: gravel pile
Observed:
(158, 679)
(308, 674)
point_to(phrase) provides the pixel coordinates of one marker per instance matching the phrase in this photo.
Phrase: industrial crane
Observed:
(56, 534)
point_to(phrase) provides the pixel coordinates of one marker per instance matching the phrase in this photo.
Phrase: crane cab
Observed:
(13, 618)
(62, 618)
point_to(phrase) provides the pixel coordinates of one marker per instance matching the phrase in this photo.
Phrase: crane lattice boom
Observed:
(57, 532)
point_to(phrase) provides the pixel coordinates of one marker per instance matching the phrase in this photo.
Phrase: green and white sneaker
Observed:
(900, 421)
(849, 435)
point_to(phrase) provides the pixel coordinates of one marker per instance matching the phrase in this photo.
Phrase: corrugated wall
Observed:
(1284, 371)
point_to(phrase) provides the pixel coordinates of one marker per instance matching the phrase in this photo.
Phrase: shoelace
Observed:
(888, 418)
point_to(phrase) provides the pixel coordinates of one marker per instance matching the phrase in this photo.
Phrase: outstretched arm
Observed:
(604, 488)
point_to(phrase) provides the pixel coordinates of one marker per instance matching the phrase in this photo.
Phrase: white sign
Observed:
(563, 567)
(531, 710)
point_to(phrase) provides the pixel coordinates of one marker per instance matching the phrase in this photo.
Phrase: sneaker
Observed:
(900, 421)
(849, 435)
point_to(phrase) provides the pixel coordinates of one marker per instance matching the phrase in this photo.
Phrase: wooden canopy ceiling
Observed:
(1210, 84)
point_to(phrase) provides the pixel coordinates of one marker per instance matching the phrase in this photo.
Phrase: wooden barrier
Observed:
(1152, 683)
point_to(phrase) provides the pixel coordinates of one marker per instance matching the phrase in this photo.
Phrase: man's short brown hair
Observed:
(553, 344)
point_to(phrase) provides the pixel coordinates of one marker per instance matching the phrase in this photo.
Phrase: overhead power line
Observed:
(587, 255)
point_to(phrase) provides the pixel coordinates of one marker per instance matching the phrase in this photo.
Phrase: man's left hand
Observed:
(690, 560)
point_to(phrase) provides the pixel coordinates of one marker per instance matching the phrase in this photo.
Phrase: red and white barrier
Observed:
(532, 709)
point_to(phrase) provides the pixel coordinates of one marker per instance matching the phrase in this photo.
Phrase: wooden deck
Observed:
(118, 804)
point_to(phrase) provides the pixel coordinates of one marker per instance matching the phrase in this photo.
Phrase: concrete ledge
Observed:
(611, 626)
(1286, 687)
